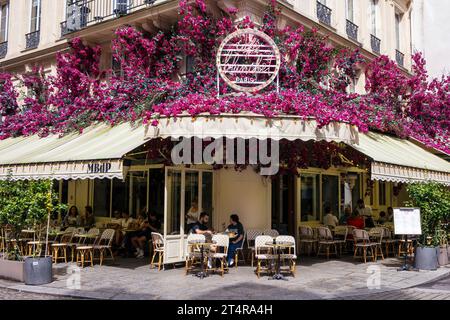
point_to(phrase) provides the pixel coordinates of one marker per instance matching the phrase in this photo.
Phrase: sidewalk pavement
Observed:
(315, 279)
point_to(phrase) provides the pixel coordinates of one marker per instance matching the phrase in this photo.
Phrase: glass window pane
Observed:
(191, 205)
(330, 193)
(139, 194)
(350, 10)
(120, 195)
(102, 194)
(382, 193)
(3, 22)
(156, 192)
(173, 201)
(207, 194)
(310, 197)
(356, 192)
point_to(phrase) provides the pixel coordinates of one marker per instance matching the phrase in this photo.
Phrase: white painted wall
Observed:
(431, 34)
(244, 193)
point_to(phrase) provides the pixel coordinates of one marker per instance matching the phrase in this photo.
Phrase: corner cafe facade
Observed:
(109, 168)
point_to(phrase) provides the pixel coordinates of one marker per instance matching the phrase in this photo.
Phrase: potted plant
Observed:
(434, 202)
(24, 205)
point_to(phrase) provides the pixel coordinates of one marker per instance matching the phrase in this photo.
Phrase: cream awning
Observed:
(400, 160)
(95, 153)
(250, 125)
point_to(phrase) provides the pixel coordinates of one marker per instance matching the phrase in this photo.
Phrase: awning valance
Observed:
(95, 153)
(249, 125)
(400, 160)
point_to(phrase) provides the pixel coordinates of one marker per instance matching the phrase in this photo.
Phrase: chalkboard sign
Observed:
(407, 221)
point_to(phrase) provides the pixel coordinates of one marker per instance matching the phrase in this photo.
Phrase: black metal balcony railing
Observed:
(3, 49)
(375, 43)
(399, 57)
(83, 13)
(32, 39)
(323, 13)
(352, 30)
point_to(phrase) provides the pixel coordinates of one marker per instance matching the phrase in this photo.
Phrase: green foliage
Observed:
(434, 202)
(26, 204)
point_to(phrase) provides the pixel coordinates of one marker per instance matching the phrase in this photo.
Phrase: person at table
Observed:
(72, 218)
(382, 219)
(201, 226)
(390, 215)
(346, 216)
(236, 242)
(144, 234)
(363, 210)
(89, 219)
(192, 215)
(330, 219)
(356, 221)
(126, 221)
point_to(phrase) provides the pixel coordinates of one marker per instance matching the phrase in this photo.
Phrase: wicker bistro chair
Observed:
(85, 248)
(263, 254)
(250, 237)
(326, 241)
(350, 241)
(194, 251)
(221, 243)
(158, 249)
(388, 241)
(289, 253)
(340, 237)
(363, 243)
(61, 247)
(104, 244)
(306, 239)
(376, 235)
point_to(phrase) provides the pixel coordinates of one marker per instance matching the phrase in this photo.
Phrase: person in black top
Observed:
(235, 242)
(144, 234)
(201, 226)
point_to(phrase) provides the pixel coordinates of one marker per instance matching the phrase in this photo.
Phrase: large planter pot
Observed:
(12, 270)
(443, 256)
(38, 270)
(426, 258)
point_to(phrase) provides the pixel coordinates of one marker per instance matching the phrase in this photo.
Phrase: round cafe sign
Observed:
(248, 60)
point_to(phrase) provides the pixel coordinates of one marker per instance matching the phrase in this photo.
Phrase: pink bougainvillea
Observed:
(314, 77)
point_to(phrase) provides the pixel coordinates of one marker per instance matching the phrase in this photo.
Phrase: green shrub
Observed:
(434, 202)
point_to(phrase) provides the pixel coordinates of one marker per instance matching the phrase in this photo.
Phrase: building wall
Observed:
(431, 34)
(245, 193)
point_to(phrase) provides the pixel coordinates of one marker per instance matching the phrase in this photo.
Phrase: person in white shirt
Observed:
(330, 219)
(126, 220)
(362, 209)
(192, 216)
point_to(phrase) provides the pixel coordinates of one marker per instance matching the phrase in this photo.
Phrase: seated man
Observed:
(201, 227)
(236, 242)
(144, 234)
(330, 219)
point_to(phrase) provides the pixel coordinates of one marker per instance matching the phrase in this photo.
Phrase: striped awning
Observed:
(96, 153)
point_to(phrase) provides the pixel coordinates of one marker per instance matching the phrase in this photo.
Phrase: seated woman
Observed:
(143, 235)
(72, 218)
(235, 242)
(382, 219)
(89, 219)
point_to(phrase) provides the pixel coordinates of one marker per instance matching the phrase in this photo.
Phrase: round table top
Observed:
(85, 235)
(28, 231)
(280, 244)
(201, 242)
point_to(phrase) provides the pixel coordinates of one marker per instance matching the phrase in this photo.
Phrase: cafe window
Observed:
(280, 203)
(156, 191)
(382, 193)
(207, 194)
(120, 195)
(139, 193)
(173, 221)
(310, 197)
(102, 197)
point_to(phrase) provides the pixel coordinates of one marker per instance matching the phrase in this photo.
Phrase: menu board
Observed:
(407, 221)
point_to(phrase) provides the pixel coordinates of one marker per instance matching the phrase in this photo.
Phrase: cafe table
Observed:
(203, 246)
(278, 248)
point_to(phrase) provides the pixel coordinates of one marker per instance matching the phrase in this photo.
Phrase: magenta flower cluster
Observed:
(171, 73)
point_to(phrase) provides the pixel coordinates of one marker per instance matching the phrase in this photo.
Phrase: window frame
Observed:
(38, 17)
(6, 26)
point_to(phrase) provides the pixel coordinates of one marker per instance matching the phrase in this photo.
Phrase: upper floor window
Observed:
(398, 20)
(121, 6)
(349, 10)
(4, 12)
(35, 18)
(373, 16)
